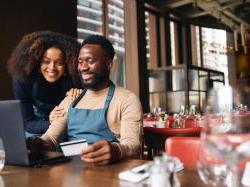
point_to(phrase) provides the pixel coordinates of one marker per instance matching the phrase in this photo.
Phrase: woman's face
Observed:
(52, 65)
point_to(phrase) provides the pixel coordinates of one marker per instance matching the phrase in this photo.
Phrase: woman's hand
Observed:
(74, 93)
(56, 113)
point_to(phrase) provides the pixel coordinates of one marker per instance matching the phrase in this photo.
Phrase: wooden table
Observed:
(76, 173)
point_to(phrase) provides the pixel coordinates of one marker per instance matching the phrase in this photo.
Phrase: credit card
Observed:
(74, 147)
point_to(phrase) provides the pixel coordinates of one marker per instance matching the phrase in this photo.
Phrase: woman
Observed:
(43, 68)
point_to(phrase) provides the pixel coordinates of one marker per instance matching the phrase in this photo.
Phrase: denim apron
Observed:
(90, 124)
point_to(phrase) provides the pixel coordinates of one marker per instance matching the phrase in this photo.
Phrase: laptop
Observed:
(13, 134)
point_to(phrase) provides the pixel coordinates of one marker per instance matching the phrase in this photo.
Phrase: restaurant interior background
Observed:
(169, 52)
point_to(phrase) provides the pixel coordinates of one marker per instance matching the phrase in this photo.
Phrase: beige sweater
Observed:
(124, 118)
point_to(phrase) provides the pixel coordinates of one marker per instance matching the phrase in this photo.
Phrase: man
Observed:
(109, 117)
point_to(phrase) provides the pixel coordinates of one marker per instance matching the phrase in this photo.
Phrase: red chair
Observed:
(155, 138)
(185, 148)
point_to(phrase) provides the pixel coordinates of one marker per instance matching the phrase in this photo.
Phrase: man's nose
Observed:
(83, 66)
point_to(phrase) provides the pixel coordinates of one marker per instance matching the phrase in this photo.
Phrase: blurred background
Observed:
(169, 52)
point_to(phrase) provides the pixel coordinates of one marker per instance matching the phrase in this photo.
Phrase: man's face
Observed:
(93, 66)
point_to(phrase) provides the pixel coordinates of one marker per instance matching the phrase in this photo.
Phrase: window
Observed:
(116, 35)
(105, 18)
(214, 48)
(156, 57)
(213, 52)
(89, 18)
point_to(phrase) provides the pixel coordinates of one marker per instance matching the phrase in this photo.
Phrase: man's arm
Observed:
(131, 127)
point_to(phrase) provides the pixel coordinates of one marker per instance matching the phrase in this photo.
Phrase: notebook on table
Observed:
(13, 135)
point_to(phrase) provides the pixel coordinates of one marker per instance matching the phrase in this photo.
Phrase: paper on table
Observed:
(135, 174)
(246, 175)
(140, 172)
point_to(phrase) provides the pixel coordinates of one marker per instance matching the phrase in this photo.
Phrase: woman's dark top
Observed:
(38, 98)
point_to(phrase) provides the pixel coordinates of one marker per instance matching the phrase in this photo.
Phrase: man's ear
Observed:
(110, 64)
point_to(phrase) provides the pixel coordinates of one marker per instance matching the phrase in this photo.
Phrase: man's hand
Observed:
(102, 152)
(74, 93)
(56, 113)
(36, 145)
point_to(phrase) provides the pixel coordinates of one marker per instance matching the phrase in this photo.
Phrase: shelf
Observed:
(205, 69)
(156, 92)
(167, 68)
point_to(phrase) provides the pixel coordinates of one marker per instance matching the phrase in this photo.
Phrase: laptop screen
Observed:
(12, 132)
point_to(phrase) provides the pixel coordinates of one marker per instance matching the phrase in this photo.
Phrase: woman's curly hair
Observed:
(24, 61)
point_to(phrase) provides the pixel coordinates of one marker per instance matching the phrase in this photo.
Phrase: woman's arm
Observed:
(58, 126)
(58, 111)
(23, 92)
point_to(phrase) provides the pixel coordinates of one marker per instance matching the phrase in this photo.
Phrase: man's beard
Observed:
(98, 79)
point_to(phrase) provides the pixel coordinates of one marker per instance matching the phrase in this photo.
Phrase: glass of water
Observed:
(211, 169)
(225, 139)
(2, 155)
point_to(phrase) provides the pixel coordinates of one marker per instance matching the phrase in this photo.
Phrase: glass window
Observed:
(89, 18)
(214, 47)
(116, 36)
(175, 100)
(164, 85)
(193, 79)
(157, 81)
(203, 80)
(178, 79)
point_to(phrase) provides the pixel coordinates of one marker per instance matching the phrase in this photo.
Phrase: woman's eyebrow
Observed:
(47, 58)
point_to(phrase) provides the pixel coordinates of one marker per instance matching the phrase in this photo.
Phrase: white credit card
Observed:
(74, 147)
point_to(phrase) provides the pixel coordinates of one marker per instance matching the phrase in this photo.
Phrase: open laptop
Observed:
(13, 134)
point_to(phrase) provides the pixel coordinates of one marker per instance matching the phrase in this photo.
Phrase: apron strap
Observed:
(110, 94)
(78, 98)
(107, 101)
